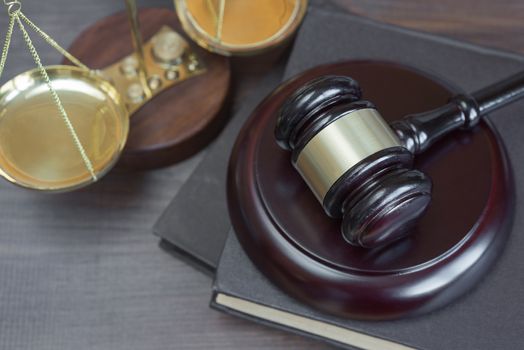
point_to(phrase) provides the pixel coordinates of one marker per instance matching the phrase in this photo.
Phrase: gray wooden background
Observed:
(82, 270)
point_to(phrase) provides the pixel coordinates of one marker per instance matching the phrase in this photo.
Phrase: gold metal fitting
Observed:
(13, 6)
(342, 145)
(168, 60)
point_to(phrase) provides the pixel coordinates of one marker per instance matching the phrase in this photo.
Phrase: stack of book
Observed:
(196, 224)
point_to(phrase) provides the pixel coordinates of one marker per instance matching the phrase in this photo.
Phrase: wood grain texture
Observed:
(83, 271)
(497, 24)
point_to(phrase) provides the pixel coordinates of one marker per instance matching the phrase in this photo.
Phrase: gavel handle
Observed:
(418, 132)
(500, 94)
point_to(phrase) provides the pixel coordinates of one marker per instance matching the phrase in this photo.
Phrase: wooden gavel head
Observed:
(353, 161)
(358, 166)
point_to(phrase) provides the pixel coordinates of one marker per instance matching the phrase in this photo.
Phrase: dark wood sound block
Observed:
(285, 232)
(180, 120)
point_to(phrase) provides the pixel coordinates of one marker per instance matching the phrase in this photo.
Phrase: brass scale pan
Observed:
(36, 149)
(61, 127)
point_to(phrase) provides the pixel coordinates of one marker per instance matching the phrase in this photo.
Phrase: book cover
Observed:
(195, 224)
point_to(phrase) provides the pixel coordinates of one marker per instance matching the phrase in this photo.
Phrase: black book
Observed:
(194, 226)
(490, 316)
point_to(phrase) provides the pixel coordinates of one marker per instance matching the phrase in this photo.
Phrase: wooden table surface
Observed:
(82, 270)
(499, 24)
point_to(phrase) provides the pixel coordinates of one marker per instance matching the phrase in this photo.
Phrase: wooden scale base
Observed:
(180, 120)
(285, 232)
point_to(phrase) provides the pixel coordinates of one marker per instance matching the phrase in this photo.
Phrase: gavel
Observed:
(359, 167)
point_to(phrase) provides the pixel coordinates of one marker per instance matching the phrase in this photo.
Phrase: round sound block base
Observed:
(285, 232)
(179, 121)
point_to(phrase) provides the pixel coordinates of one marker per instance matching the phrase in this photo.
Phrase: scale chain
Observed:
(53, 43)
(13, 6)
(7, 43)
(14, 10)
